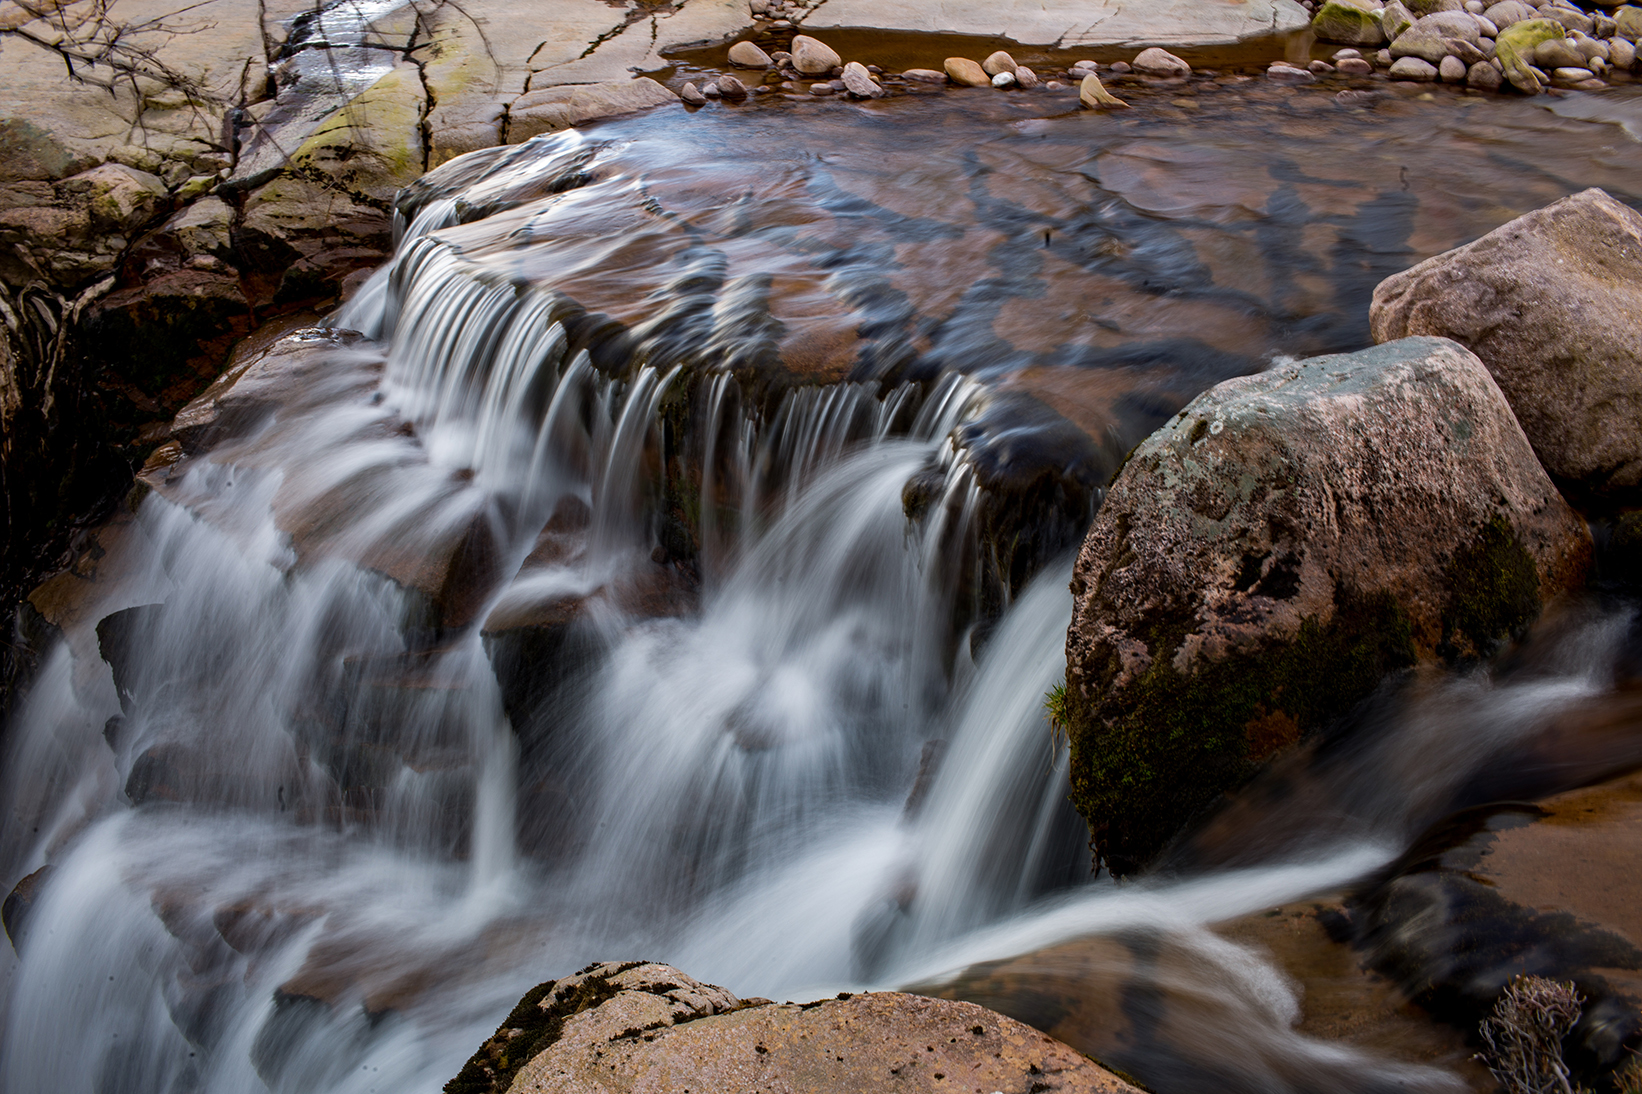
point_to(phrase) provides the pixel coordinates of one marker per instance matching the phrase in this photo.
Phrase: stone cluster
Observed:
(1530, 45)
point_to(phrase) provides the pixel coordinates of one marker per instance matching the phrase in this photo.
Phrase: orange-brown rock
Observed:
(642, 1026)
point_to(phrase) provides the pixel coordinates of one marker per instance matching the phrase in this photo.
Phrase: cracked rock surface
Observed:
(632, 1026)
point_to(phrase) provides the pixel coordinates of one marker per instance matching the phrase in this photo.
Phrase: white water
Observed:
(732, 783)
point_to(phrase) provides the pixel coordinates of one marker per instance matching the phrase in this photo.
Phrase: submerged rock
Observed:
(1093, 94)
(635, 1025)
(1265, 559)
(1550, 302)
(1546, 890)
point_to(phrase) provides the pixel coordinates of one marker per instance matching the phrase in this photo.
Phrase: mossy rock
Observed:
(1515, 50)
(1347, 24)
(1268, 558)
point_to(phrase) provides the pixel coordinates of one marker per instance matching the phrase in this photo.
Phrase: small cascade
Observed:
(514, 635)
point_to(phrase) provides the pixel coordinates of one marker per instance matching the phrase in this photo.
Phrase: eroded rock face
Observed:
(1267, 557)
(635, 1026)
(1551, 304)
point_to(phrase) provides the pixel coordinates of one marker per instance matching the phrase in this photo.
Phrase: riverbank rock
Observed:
(1266, 558)
(1553, 890)
(634, 1026)
(813, 57)
(1071, 24)
(1348, 24)
(966, 73)
(1550, 302)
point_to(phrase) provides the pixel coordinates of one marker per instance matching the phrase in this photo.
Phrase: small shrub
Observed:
(1054, 707)
(1523, 1039)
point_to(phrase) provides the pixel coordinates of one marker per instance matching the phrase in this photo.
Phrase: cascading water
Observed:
(300, 835)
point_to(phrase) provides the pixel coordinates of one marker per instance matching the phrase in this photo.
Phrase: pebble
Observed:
(1122, 66)
(1085, 65)
(812, 57)
(1412, 68)
(1452, 70)
(1055, 85)
(1591, 47)
(1465, 51)
(732, 88)
(1322, 68)
(1286, 73)
(748, 55)
(1003, 80)
(1160, 62)
(1621, 53)
(1355, 66)
(999, 62)
(1346, 54)
(1353, 97)
(710, 89)
(1484, 77)
(781, 57)
(925, 75)
(820, 89)
(1026, 77)
(1475, 7)
(1571, 75)
(1508, 12)
(1383, 58)
(965, 72)
(859, 82)
(1558, 53)
(691, 94)
(1487, 26)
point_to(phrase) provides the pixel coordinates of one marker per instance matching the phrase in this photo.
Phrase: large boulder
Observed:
(1266, 558)
(637, 1025)
(1551, 303)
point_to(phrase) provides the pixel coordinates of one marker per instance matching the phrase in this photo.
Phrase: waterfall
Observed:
(303, 830)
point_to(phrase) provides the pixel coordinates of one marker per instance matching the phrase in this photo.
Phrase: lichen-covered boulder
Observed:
(1552, 303)
(1270, 555)
(1347, 24)
(636, 1025)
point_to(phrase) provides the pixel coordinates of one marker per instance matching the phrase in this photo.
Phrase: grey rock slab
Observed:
(1070, 24)
(1551, 302)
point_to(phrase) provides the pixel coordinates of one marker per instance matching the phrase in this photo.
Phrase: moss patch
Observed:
(1147, 760)
(528, 1031)
(1494, 593)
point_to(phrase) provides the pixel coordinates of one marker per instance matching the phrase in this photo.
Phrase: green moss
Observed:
(1494, 593)
(528, 1031)
(1147, 760)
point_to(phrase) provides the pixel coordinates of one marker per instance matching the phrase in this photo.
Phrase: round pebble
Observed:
(1003, 80)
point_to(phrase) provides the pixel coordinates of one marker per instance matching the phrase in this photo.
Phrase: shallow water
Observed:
(307, 841)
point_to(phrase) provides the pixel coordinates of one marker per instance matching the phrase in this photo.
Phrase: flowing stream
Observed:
(305, 830)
